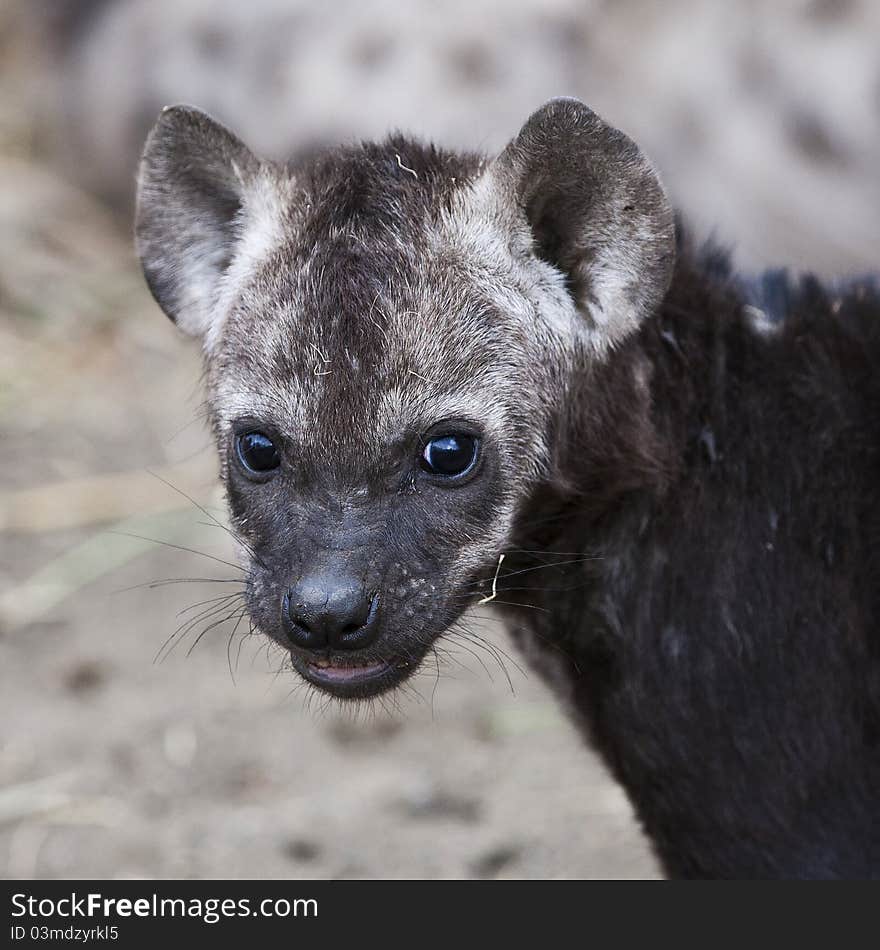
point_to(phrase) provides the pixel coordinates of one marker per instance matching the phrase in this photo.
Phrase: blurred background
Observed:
(764, 119)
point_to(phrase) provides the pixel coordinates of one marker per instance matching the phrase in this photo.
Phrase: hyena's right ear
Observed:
(199, 190)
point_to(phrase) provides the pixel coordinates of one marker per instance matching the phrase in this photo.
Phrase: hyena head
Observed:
(389, 334)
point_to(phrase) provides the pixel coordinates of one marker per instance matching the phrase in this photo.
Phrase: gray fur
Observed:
(589, 191)
(351, 301)
(465, 317)
(203, 202)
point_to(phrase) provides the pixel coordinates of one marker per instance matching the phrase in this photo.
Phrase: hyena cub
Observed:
(420, 361)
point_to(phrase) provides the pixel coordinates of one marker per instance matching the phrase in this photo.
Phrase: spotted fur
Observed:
(680, 466)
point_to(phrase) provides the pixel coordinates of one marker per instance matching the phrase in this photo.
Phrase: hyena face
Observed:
(389, 334)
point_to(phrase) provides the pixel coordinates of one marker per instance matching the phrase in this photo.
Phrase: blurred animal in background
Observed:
(765, 117)
(432, 375)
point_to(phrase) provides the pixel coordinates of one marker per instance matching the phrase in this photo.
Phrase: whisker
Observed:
(496, 651)
(233, 534)
(549, 641)
(210, 600)
(178, 547)
(514, 603)
(537, 567)
(184, 628)
(212, 626)
(436, 676)
(166, 581)
(241, 617)
(241, 640)
(457, 633)
(549, 590)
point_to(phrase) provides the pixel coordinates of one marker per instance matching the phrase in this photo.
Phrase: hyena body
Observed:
(419, 362)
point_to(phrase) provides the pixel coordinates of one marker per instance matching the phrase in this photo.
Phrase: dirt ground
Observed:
(214, 763)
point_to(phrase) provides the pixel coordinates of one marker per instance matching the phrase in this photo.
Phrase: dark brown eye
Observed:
(257, 452)
(450, 455)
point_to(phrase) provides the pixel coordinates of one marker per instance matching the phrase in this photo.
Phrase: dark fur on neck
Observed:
(720, 644)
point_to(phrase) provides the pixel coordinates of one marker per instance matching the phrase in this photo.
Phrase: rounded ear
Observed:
(597, 212)
(195, 183)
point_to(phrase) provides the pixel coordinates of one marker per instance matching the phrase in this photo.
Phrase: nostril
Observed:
(361, 629)
(300, 627)
(317, 615)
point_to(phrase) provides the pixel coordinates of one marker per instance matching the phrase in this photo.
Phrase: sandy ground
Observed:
(766, 122)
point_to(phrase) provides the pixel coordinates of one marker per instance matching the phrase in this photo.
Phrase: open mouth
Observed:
(351, 680)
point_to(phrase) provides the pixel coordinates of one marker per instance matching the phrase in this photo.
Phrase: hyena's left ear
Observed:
(596, 210)
(203, 199)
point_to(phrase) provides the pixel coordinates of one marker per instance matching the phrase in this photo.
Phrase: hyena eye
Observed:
(257, 452)
(450, 455)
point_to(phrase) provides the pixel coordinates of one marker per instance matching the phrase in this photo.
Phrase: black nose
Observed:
(323, 612)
